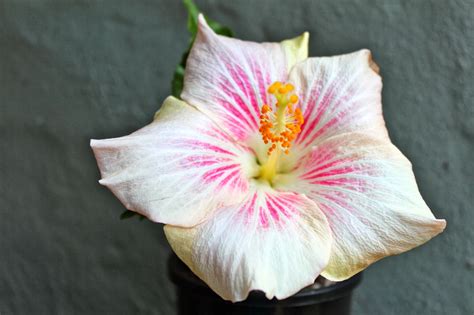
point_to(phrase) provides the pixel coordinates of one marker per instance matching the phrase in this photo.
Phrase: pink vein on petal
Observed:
(213, 174)
(229, 180)
(239, 113)
(321, 108)
(263, 81)
(336, 171)
(218, 134)
(248, 209)
(242, 80)
(196, 144)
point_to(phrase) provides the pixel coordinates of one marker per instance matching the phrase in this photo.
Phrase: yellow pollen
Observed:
(280, 125)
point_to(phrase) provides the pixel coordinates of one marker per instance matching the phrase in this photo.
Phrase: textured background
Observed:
(75, 70)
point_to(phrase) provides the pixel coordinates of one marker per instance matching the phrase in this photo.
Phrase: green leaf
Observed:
(177, 82)
(193, 13)
(219, 29)
(127, 214)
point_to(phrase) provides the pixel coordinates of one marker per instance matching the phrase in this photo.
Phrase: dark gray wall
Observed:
(75, 70)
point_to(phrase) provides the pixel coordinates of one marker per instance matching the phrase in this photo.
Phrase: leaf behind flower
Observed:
(193, 12)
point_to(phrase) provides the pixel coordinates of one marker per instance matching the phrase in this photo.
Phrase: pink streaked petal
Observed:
(257, 245)
(176, 170)
(227, 78)
(367, 190)
(337, 95)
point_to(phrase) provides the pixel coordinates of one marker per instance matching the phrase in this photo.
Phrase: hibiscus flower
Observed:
(275, 168)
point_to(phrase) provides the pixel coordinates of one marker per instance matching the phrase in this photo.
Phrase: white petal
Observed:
(177, 169)
(367, 191)
(337, 95)
(228, 78)
(274, 242)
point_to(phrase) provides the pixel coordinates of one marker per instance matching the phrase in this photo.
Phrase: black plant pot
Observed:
(195, 297)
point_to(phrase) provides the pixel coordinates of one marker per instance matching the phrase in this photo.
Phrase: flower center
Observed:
(279, 126)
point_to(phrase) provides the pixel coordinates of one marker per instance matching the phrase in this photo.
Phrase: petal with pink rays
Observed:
(367, 190)
(337, 95)
(275, 242)
(177, 169)
(228, 78)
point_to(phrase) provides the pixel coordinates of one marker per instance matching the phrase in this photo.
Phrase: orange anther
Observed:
(281, 127)
(273, 88)
(282, 90)
(290, 108)
(294, 98)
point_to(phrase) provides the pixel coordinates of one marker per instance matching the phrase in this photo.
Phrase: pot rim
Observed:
(184, 279)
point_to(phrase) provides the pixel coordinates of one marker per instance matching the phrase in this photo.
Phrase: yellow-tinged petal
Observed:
(257, 244)
(181, 241)
(405, 231)
(367, 190)
(296, 49)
